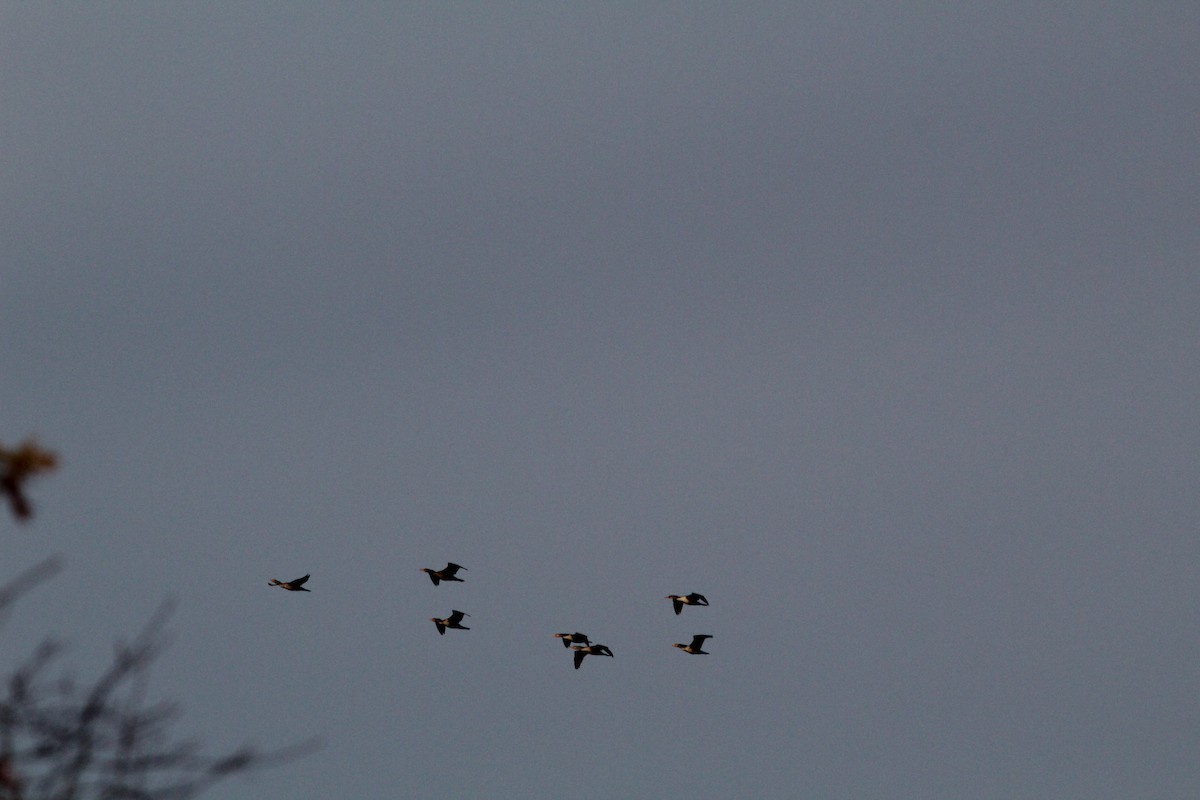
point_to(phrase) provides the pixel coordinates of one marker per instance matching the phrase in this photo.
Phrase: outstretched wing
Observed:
(579, 656)
(678, 606)
(299, 581)
(441, 626)
(698, 640)
(698, 598)
(455, 617)
(451, 568)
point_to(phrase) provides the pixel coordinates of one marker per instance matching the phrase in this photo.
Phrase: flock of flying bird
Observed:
(17, 465)
(577, 641)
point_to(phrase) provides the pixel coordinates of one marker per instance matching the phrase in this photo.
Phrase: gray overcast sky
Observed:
(878, 324)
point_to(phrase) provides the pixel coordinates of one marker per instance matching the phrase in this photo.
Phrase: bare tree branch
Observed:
(104, 742)
(20, 585)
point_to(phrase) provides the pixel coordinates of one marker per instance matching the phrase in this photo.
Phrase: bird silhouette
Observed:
(292, 586)
(693, 599)
(447, 573)
(452, 621)
(694, 647)
(589, 650)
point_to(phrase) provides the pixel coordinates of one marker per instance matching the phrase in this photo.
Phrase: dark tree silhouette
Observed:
(103, 740)
(17, 466)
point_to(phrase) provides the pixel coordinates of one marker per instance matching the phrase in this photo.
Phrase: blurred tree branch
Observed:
(103, 741)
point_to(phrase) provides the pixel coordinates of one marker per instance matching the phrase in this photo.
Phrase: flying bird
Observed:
(589, 650)
(568, 638)
(292, 586)
(694, 647)
(447, 573)
(452, 621)
(693, 599)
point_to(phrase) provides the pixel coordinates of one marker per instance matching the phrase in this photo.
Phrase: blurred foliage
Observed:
(17, 466)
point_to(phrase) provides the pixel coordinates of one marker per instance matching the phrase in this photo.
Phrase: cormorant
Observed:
(292, 586)
(589, 650)
(693, 599)
(452, 621)
(447, 573)
(694, 647)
